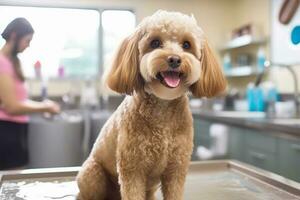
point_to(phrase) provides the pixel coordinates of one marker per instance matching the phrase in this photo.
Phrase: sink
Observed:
(56, 141)
(66, 116)
(288, 122)
(98, 119)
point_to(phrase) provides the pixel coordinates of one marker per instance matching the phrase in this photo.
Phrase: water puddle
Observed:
(39, 189)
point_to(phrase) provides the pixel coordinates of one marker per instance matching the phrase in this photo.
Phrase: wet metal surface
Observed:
(214, 180)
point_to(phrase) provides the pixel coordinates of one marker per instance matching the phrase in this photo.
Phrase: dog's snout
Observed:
(174, 61)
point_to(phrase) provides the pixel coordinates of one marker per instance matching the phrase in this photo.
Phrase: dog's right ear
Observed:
(123, 76)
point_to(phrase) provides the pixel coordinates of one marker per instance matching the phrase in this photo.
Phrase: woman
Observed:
(13, 97)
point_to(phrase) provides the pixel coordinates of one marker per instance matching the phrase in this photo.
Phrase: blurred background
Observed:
(257, 43)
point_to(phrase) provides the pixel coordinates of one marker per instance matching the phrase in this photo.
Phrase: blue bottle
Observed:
(255, 98)
(259, 99)
(250, 97)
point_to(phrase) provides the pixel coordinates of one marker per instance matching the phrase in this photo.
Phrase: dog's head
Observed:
(167, 56)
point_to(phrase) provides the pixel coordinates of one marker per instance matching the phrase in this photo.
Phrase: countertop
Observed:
(250, 120)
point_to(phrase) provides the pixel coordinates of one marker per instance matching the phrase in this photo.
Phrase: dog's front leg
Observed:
(173, 177)
(133, 185)
(131, 176)
(173, 181)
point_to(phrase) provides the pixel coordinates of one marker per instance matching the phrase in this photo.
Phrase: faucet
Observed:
(268, 64)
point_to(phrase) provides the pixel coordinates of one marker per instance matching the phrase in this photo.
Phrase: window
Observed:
(116, 24)
(69, 38)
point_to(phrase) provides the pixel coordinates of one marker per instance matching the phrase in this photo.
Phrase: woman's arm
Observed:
(12, 106)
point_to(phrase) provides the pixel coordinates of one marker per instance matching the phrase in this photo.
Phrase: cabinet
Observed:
(261, 150)
(258, 148)
(236, 144)
(201, 135)
(262, 159)
(266, 151)
(289, 158)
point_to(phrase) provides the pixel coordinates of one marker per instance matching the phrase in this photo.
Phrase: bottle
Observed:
(227, 62)
(259, 99)
(61, 71)
(271, 97)
(261, 58)
(89, 96)
(250, 97)
(37, 69)
(255, 98)
(44, 88)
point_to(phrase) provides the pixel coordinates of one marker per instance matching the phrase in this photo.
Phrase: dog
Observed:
(148, 141)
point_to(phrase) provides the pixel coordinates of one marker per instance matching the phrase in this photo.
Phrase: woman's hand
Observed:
(51, 107)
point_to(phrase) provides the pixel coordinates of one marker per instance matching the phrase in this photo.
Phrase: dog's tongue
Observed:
(171, 78)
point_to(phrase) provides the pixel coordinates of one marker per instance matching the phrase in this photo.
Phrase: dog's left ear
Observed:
(212, 81)
(124, 73)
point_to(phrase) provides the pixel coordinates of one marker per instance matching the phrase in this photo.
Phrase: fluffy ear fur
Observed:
(212, 81)
(124, 76)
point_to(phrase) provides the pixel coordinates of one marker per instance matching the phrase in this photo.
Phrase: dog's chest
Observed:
(155, 151)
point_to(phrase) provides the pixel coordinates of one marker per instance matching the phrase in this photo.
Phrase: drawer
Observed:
(203, 127)
(262, 159)
(201, 133)
(261, 141)
(289, 159)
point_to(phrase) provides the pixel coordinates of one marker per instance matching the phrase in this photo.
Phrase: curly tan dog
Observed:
(148, 141)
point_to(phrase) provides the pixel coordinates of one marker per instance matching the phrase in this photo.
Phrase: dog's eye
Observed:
(155, 44)
(186, 45)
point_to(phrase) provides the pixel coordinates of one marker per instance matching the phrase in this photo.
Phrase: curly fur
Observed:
(148, 140)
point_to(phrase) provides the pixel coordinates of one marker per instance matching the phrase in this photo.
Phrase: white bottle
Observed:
(89, 95)
(261, 58)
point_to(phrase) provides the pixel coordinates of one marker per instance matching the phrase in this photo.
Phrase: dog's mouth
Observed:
(170, 78)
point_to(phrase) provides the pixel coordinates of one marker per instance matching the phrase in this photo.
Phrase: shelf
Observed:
(242, 41)
(241, 71)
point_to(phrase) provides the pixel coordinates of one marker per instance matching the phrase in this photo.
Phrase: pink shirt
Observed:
(6, 67)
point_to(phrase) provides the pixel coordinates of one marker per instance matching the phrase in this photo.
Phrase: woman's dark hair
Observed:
(21, 27)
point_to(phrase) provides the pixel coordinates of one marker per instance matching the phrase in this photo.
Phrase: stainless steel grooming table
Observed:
(206, 180)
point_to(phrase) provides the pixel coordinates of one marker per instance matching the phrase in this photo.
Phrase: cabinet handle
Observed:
(295, 147)
(259, 156)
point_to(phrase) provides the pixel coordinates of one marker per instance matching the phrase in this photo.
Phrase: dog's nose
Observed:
(174, 61)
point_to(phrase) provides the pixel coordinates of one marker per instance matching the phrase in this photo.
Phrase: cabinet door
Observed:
(201, 133)
(289, 159)
(236, 143)
(262, 150)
